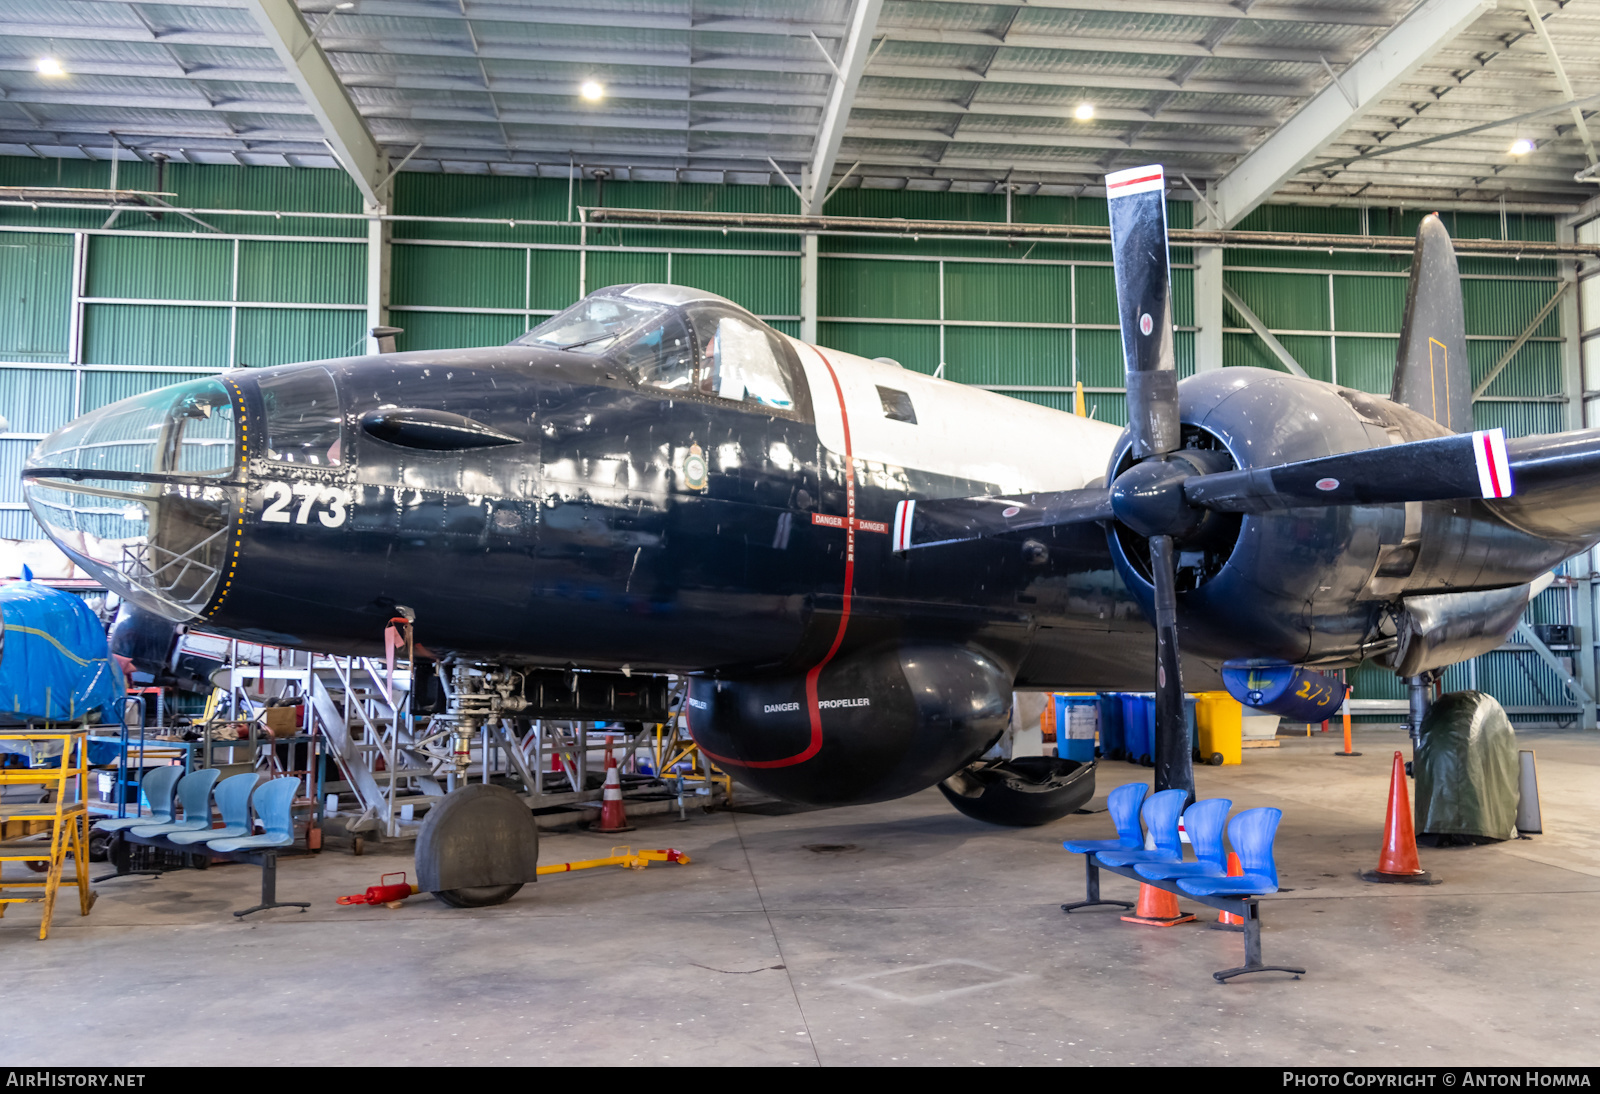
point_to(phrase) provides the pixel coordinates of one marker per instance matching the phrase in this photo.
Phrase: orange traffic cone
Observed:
(612, 818)
(1228, 919)
(1157, 908)
(1397, 862)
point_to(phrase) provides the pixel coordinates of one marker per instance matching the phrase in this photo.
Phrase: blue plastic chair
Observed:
(233, 801)
(1123, 805)
(1203, 822)
(194, 795)
(1251, 834)
(272, 805)
(156, 786)
(1160, 813)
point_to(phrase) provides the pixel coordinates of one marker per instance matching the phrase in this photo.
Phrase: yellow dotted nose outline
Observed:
(221, 595)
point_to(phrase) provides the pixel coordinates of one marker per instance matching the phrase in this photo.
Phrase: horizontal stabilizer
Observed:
(954, 520)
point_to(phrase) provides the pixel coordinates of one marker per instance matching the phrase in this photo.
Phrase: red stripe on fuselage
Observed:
(812, 707)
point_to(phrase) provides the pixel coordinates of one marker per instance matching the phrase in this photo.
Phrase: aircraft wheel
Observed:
(1021, 793)
(478, 896)
(477, 847)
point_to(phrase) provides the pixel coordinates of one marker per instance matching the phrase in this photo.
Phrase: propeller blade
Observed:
(1470, 465)
(1173, 757)
(1137, 199)
(954, 520)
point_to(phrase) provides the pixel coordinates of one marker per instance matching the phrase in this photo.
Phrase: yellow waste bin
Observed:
(1220, 720)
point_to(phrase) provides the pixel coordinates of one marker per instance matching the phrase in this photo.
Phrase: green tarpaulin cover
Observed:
(1466, 769)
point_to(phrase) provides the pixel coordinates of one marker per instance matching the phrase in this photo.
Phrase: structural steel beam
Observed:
(1561, 75)
(1262, 332)
(852, 61)
(347, 135)
(1521, 340)
(1571, 682)
(1431, 25)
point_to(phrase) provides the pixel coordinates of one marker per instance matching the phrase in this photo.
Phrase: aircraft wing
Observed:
(1546, 485)
(954, 520)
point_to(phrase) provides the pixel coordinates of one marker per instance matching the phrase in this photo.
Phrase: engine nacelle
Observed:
(875, 725)
(1315, 584)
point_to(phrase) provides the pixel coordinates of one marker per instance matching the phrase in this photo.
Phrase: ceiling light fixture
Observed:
(49, 66)
(592, 90)
(1084, 112)
(1521, 146)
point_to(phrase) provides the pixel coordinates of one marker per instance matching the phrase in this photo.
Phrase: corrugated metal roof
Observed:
(719, 85)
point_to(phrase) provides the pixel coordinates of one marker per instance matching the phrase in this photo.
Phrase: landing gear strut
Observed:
(479, 845)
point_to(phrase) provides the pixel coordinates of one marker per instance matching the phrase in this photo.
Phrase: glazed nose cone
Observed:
(141, 493)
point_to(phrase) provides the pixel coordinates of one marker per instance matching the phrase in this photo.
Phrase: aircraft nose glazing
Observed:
(145, 493)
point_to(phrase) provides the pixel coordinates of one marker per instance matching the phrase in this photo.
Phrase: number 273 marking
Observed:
(279, 495)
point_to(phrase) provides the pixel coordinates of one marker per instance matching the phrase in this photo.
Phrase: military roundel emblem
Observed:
(694, 468)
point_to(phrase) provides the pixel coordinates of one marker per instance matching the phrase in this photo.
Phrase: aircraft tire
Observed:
(1037, 791)
(478, 896)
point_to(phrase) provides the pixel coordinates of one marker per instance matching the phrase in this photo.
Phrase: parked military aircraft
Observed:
(854, 564)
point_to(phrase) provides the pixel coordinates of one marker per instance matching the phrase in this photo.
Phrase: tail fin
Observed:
(1433, 375)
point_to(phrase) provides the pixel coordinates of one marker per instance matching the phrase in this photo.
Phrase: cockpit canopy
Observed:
(679, 340)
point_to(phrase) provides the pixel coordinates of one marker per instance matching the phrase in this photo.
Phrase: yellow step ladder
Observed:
(66, 818)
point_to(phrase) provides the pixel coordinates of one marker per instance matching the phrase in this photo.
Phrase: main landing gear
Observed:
(1020, 793)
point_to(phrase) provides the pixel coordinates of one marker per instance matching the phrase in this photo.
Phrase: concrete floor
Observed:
(932, 940)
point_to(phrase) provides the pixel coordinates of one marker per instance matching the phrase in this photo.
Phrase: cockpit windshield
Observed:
(681, 341)
(592, 325)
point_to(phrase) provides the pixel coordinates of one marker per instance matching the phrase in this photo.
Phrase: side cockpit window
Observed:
(742, 361)
(897, 405)
(303, 416)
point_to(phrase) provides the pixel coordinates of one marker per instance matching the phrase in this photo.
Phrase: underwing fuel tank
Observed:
(875, 725)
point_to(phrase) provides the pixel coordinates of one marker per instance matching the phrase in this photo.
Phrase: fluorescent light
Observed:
(1084, 112)
(592, 90)
(49, 66)
(1521, 146)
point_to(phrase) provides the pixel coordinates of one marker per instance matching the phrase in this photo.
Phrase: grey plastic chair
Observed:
(156, 786)
(194, 795)
(233, 800)
(272, 805)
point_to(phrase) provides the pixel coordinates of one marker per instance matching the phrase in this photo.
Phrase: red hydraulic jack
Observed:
(385, 892)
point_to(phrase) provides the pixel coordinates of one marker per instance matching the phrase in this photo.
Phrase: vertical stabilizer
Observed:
(1433, 375)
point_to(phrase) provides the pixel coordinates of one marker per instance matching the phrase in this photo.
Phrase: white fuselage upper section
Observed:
(960, 431)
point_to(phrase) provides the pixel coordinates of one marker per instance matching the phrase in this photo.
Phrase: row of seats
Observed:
(1251, 833)
(1205, 878)
(234, 797)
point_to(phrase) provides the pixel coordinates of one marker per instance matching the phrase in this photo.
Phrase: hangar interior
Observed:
(193, 187)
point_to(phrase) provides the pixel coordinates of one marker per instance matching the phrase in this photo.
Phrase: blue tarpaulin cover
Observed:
(54, 663)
